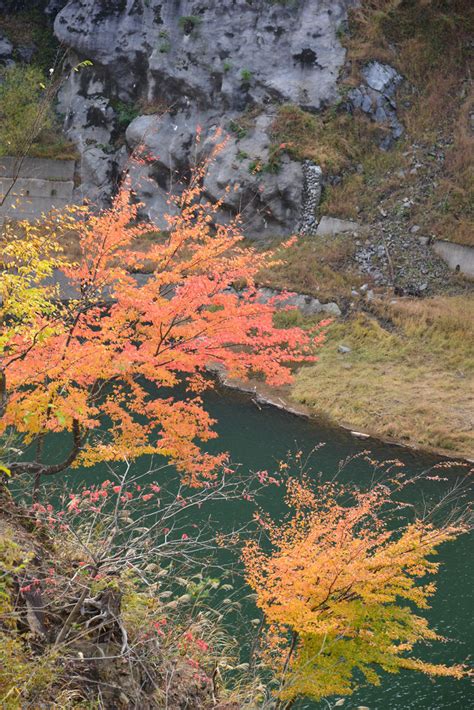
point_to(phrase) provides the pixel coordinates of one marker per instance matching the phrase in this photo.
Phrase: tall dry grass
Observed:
(409, 375)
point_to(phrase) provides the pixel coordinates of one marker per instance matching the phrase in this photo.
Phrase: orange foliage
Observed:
(73, 366)
(331, 586)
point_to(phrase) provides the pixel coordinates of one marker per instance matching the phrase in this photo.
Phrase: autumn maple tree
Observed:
(338, 583)
(103, 364)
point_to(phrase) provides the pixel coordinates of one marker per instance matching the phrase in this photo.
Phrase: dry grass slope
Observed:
(321, 268)
(409, 375)
(430, 43)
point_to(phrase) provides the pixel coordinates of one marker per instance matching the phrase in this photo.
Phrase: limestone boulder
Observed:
(207, 65)
(220, 53)
(376, 98)
(239, 172)
(331, 226)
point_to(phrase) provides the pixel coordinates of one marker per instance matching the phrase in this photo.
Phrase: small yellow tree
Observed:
(333, 585)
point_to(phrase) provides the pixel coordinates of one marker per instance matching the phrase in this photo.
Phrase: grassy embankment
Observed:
(409, 375)
(430, 43)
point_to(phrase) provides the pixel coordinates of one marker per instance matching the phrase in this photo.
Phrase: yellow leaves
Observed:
(334, 580)
(435, 670)
(29, 257)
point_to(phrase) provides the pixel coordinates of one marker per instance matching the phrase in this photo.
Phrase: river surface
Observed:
(257, 437)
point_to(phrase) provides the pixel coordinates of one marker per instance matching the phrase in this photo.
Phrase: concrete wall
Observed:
(457, 256)
(39, 185)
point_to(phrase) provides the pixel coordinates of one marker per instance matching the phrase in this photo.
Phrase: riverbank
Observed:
(282, 398)
(401, 372)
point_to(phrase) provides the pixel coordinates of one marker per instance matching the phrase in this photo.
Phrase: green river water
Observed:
(257, 437)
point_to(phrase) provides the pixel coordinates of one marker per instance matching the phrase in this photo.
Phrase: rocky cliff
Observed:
(168, 67)
(324, 108)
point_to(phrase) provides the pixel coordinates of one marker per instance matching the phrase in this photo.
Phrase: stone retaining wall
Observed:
(31, 187)
(458, 257)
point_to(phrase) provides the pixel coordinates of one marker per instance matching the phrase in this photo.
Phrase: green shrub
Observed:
(126, 113)
(164, 47)
(238, 130)
(256, 166)
(25, 111)
(242, 155)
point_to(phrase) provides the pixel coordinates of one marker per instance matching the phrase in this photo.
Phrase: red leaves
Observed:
(104, 359)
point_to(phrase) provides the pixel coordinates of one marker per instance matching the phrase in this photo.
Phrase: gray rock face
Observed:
(231, 52)
(6, 48)
(89, 123)
(269, 202)
(236, 174)
(209, 64)
(381, 77)
(376, 98)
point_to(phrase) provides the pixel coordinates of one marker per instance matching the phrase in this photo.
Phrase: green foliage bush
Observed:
(246, 76)
(24, 113)
(125, 112)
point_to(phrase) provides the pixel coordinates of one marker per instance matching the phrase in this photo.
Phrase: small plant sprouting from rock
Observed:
(274, 158)
(125, 113)
(246, 76)
(256, 166)
(165, 45)
(189, 23)
(242, 155)
(238, 130)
